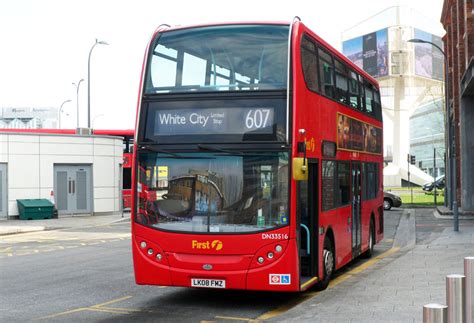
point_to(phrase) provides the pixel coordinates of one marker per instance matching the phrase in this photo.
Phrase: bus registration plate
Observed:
(207, 283)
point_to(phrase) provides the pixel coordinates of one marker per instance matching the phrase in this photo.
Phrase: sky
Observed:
(45, 44)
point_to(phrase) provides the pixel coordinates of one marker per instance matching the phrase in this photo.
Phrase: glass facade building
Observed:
(427, 138)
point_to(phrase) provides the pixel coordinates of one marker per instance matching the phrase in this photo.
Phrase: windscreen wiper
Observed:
(218, 150)
(161, 151)
(171, 154)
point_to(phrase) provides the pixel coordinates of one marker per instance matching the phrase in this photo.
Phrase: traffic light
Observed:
(412, 159)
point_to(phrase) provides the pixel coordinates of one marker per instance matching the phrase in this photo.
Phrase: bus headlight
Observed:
(159, 256)
(278, 248)
(260, 260)
(270, 255)
(150, 251)
(143, 244)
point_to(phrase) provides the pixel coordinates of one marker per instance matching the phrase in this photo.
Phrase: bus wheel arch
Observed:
(329, 260)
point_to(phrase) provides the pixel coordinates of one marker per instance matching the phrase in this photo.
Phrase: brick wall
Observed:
(458, 21)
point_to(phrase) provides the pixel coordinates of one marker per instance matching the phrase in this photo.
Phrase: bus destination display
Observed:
(214, 121)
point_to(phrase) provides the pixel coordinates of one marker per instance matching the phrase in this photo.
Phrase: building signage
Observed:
(369, 52)
(353, 134)
(214, 121)
(428, 59)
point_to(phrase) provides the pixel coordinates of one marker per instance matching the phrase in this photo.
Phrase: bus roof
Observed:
(334, 51)
(102, 132)
(179, 27)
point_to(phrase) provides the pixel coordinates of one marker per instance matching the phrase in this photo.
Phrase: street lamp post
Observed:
(77, 99)
(95, 117)
(60, 110)
(451, 144)
(97, 42)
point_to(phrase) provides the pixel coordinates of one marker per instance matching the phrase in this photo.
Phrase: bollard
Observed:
(435, 313)
(456, 298)
(469, 273)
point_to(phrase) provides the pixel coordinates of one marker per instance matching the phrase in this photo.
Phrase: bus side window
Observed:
(353, 90)
(369, 97)
(377, 106)
(309, 64)
(361, 106)
(163, 59)
(341, 82)
(328, 183)
(343, 183)
(326, 73)
(370, 181)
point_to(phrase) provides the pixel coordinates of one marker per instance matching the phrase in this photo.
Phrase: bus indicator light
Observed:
(278, 248)
(159, 256)
(260, 260)
(143, 244)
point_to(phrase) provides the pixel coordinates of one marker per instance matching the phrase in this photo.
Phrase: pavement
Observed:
(397, 286)
(393, 286)
(14, 226)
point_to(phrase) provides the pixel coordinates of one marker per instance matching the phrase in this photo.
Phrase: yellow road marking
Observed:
(120, 309)
(284, 308)
(96, 307)
(106, 310)
(113, 301)
(236, 318)
(62, 313)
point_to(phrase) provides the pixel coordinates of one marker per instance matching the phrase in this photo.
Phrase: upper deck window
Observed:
(219, 58)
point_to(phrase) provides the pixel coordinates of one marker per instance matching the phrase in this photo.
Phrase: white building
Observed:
(84, 172)
(410, 76)
(29, 118)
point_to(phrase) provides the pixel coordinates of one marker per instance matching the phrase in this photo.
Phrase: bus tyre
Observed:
(328, 264)
(370, 251)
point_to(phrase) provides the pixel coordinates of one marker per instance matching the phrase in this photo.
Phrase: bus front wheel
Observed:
(328, 264)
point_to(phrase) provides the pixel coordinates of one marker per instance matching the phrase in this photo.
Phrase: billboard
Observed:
(428, 59)
(356, 135)
(369, 52)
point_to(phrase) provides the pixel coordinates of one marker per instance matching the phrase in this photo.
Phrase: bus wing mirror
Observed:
(300, 170)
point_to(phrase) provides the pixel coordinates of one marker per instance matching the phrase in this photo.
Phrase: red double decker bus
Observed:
(258, 159)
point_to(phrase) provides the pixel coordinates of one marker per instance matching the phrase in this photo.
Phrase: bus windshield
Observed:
(218, 192)
(219, 58)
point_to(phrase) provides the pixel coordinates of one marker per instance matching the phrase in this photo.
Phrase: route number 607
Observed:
(257, 118)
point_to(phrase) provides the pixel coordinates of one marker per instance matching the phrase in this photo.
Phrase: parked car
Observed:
(440, 183)
(390, 199)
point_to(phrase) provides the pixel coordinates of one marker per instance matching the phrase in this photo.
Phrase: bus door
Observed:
(307, 209)
(356, 207)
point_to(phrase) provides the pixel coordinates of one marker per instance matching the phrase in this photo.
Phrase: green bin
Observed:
(35, 209)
